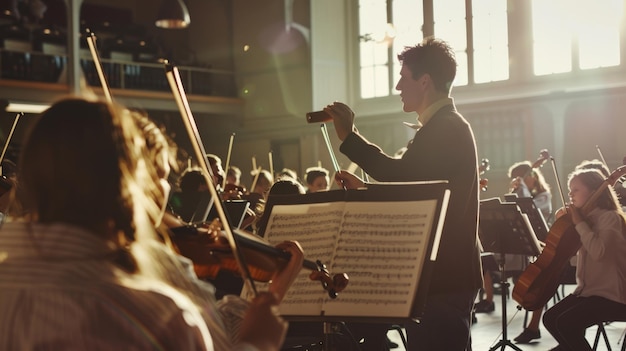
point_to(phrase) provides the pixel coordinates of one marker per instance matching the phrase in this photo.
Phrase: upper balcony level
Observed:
(34, 66)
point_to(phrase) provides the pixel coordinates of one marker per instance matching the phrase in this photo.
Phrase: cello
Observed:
(539, 282)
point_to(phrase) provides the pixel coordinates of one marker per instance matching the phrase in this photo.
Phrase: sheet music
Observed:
(380, 245)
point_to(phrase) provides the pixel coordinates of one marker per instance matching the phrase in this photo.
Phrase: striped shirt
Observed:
(59, 290)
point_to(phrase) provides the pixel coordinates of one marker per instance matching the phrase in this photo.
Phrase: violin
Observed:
(544, 155)
(538, 283)
(208, 248)
(275, 259)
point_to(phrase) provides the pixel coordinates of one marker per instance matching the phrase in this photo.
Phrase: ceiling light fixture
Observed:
(173, 14)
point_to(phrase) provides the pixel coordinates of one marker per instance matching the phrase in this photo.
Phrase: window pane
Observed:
(461, 70)
(408, 18)
(552, 40)
(374, 51)
(381, 74)
(598, 33)
(372, 19)
(449, 16)
(600, 49)
(374, 82)
(491, 43)
(367, 82)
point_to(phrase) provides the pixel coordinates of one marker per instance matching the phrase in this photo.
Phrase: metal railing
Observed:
(47, 68)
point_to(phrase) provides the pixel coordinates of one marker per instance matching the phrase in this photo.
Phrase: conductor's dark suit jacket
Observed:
(443, 149)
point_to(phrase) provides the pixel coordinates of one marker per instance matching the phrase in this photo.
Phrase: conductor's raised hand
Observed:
(282, 279)
(348, 180)
(262, 325)
(343, 118)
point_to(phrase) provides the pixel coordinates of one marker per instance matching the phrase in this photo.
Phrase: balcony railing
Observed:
(48, 68)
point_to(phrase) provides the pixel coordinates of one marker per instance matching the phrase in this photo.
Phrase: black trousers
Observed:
(445, 324)
(568, 319)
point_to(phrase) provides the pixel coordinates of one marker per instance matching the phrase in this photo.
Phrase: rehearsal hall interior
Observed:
(538, 81)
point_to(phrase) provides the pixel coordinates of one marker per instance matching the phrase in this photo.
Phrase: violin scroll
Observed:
(210, 252)
(335, 285)
(544, 155)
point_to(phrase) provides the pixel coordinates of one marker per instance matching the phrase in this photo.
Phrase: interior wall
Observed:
(275, 78)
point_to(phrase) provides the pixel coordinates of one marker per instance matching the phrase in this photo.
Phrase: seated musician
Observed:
(601, 264)
(526, 181)
(316, 179)
(85, 269)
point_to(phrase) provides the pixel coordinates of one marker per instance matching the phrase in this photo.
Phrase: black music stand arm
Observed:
(504, 229)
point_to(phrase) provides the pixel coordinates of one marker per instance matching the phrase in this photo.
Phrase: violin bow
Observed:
(256, 178)
(602, 157)
(329, 146)
(271, 161)
(230, 150)
(546, 155)
(6, 143)
(173, 78)
(91, 42)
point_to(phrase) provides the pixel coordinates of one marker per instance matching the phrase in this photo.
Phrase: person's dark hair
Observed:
(286, 186)
(191, 180)
(283, 186)
(433, 57)
(87, 160)
(313, 173)
(286, 172)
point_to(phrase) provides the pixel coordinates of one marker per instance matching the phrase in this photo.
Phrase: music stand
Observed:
(527, 206)
(505, 229)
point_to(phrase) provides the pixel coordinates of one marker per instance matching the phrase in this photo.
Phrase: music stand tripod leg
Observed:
(504, 291)
(329, 330)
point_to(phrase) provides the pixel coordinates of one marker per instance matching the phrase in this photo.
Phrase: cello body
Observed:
(539, 282)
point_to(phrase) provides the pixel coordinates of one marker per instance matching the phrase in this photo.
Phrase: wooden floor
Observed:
(487, 332)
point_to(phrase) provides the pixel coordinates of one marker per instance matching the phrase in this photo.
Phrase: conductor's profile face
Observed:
(411, 90)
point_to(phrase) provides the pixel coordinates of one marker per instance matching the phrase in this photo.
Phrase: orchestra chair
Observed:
(398, 328)
(601, 332)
